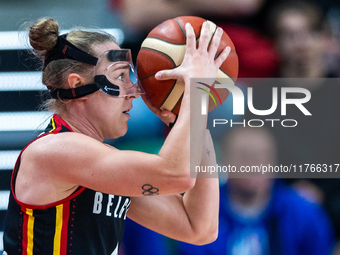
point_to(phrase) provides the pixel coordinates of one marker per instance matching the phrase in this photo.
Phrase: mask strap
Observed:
(74, 93)
(100, 81)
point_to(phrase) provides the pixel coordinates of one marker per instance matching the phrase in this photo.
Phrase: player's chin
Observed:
(118, 132)
(123, 130)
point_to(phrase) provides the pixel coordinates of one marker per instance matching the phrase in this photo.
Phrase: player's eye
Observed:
(120, 77)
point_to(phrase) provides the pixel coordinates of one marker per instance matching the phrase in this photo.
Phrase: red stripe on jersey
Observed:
(63, 241)
(59, 122)
(24, 231)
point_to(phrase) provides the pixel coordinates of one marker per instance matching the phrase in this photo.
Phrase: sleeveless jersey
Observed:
(86, 222)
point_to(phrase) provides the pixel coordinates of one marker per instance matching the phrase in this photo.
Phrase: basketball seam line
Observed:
(179, 100)
(172, 88)
(147, 76)
(166, 41)
(196, 38)
(163, 40)
(146, 48)
(185, 36)
(233, 79)
(166, 55)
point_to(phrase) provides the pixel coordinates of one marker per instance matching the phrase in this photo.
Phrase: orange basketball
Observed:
(164, 48)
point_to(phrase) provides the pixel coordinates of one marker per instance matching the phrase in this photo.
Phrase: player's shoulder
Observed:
(61, 144)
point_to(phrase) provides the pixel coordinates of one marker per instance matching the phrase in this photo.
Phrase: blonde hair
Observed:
(43, 36)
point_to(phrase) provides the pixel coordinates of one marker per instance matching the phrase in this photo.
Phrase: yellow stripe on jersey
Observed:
(53, 125)
(30, 235)
(58, 227)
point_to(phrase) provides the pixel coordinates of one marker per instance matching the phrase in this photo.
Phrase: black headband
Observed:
(66, 50)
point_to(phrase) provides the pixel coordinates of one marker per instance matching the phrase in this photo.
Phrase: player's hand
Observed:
(166, 116)
(198, 62)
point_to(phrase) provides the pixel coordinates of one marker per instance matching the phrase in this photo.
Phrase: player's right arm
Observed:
(78, 160)
(191, 218)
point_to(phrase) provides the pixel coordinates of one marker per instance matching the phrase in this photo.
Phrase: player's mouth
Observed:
(126, 112)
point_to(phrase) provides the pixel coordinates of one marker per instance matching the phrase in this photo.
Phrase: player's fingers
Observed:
(191, 38)
(165, 115)
(204, 37)
(222, 57)
(170, 116)
(215, 42)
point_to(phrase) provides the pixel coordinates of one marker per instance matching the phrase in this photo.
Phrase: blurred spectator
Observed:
(301, 38)
(262, 215)
(144, 15)
(255, 51)
(333, 53)
(299, 31)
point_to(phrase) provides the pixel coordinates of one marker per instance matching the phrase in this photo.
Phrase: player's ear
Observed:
(75, 80)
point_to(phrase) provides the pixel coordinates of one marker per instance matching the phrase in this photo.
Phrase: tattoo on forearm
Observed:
(149, 190)
(207, 151)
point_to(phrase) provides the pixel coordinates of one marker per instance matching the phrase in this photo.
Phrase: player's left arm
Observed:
(192, 218)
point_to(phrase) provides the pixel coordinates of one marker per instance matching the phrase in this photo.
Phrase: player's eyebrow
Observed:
(120, 66)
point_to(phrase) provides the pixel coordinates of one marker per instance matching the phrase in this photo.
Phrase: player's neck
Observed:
(79, 124)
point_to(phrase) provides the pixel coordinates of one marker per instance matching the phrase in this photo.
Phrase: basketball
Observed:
(164, 48)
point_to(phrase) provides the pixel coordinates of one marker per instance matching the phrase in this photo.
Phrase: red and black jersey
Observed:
(87, 222)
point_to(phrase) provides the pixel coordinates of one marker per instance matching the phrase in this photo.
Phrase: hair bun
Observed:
(43, 35)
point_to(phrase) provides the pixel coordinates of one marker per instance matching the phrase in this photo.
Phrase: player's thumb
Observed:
(165, 75)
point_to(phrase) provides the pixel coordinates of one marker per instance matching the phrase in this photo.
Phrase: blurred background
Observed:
(273, 38)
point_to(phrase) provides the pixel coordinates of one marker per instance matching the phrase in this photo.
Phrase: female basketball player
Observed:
(63, 183)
